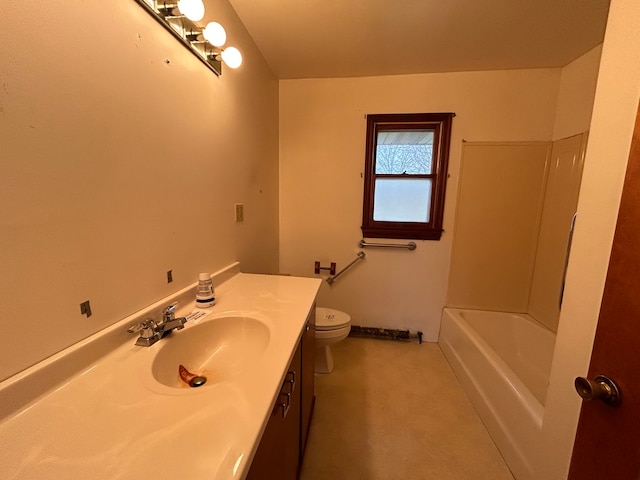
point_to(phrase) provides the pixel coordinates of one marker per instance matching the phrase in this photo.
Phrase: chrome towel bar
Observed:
(409, 246)
(332, 278)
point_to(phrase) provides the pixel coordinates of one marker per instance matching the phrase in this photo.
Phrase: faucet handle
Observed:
(147, 328)
(169, 312)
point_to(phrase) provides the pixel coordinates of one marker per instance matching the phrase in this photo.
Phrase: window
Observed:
(405, 175)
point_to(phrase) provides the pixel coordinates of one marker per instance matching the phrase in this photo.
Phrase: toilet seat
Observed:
(330, 319)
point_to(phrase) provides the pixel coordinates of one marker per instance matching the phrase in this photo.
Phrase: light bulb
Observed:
(232, 57)
(214, 34)
(192, 9)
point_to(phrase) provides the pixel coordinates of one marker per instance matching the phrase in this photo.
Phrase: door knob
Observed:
(602, 388)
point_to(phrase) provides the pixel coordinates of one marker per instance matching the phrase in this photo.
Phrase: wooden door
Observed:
(608, 438)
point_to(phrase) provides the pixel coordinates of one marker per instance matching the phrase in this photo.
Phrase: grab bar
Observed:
(332, 278)
(409, 246)
(566, 259)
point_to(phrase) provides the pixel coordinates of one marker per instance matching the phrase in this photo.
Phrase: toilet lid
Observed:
(328, 318)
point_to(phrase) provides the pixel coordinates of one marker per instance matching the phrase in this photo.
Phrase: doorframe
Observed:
(613, 118)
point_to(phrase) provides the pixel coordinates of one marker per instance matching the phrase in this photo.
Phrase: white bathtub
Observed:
(502, 361)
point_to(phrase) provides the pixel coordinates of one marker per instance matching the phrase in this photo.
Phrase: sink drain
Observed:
(197, 382)
(191, 379)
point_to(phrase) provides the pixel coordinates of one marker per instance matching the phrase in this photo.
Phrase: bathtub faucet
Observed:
(152, 331)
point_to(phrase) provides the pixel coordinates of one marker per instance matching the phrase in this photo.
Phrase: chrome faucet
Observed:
(152, 331)
(169, 320)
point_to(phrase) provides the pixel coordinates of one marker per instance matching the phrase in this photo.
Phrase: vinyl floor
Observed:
(395, 410)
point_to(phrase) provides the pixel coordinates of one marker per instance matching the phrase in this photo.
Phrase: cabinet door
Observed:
(278, 455)
(308, 344)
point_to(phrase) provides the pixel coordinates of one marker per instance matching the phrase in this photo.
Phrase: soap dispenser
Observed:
(205, 293)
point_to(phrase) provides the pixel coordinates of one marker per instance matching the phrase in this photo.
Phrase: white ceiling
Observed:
(346, 38)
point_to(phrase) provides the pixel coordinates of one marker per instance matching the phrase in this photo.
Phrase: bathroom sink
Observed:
(217, 349)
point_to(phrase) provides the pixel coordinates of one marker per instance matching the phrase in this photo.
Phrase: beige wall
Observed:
(577, 91)
(500, 201)
(573, 116)
(614, 111)
(121, 158)
(496, 270)
(322, 130)
(560, 202)
(515, 207)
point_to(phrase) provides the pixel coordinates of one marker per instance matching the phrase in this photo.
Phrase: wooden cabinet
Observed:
(279, 455)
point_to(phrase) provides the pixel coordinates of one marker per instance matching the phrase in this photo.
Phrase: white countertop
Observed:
(112, 420)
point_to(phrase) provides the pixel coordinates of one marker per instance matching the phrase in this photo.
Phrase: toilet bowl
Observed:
(331, 326)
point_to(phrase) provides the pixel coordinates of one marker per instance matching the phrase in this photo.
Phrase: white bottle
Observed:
(205, 293)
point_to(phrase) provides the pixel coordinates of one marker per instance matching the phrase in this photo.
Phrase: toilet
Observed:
(331, 326)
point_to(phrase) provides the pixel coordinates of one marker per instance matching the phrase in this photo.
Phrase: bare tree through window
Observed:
(398, 158)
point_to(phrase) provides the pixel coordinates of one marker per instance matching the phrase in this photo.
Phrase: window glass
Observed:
(402, 200)
(404, 152)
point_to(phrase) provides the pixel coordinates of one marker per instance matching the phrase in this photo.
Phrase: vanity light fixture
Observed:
(192, 9)
(232, 57)
(181, 19)
(214, 34)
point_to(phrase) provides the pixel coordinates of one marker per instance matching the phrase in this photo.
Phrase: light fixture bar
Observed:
(182, 29)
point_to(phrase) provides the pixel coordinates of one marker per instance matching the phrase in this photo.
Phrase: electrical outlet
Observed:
(239, 208)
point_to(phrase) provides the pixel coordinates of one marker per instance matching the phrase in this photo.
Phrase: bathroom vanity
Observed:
(107, 408)
(284, 440)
